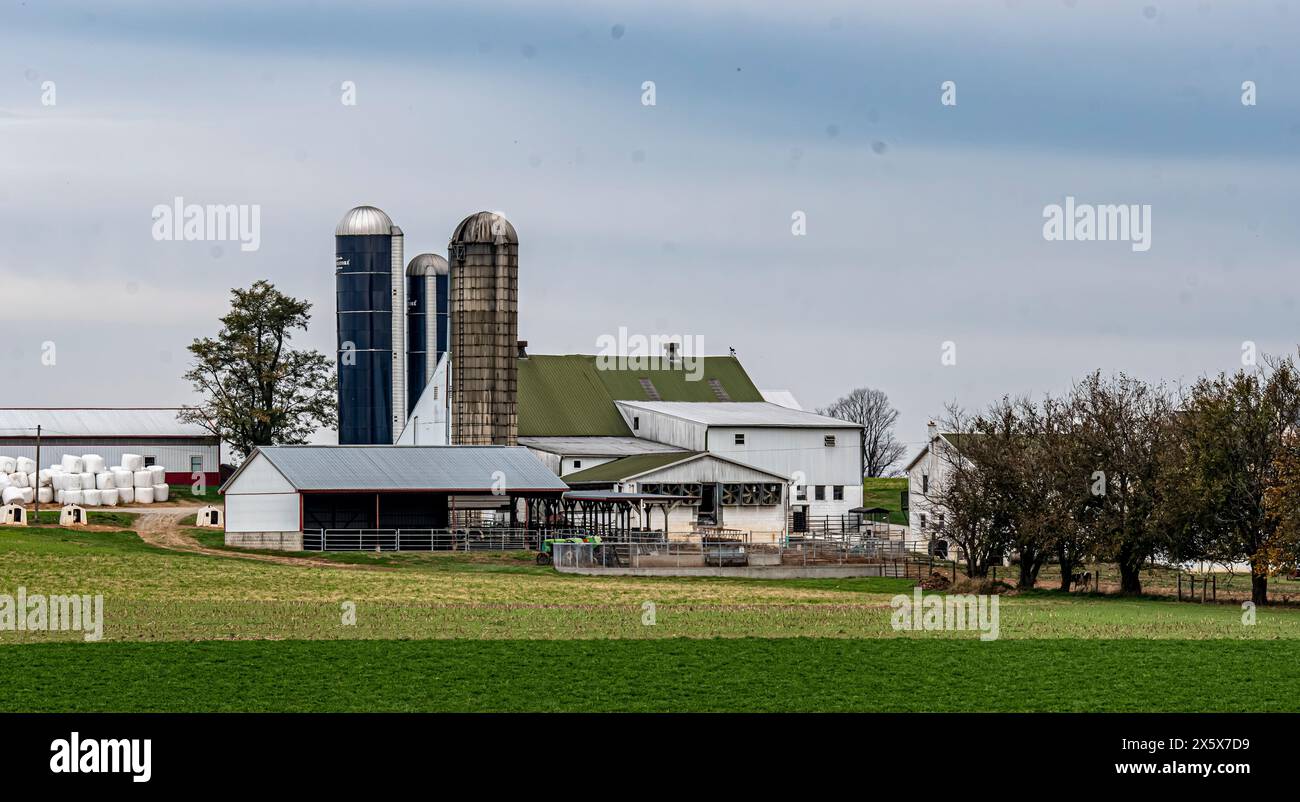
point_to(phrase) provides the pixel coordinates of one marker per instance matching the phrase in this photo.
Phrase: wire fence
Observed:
(888, 556)
(484, 539)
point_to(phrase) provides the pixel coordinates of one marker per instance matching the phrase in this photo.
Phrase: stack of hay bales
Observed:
(84, 480)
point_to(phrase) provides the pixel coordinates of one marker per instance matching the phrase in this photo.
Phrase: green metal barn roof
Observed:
(567, 395)
(624, 467)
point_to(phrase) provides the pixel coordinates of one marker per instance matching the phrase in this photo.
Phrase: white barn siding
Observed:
(551, 461)
(568, 464)
(262, 509)
(661, 428)
(788, 451)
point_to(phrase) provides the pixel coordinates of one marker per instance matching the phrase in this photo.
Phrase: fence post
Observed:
(1180, 586)
(1214, 592)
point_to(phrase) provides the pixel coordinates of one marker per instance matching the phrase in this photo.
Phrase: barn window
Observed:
(150, 461)
(196, 463)
(819, 492)
(740, 439)
(925, 483)
(922, 522)
(829, 441)
(636, 422)
(838, 492)
(577, 463)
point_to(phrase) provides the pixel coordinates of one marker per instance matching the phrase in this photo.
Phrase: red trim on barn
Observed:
(210, 479)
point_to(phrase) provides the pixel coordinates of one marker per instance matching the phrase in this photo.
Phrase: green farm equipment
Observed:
(546, 555)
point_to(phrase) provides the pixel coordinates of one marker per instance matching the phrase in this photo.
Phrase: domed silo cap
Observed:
(427, 264)
(365, 221)
(485, 227)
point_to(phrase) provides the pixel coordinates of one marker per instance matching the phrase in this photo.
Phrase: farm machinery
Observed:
(600, 552)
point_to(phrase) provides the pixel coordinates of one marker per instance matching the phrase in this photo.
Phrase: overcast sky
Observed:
(924, 221)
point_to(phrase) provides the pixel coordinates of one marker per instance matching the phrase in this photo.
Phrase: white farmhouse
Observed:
(926, 473)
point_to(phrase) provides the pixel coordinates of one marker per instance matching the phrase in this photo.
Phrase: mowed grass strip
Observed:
(675, 675)
(152, 594)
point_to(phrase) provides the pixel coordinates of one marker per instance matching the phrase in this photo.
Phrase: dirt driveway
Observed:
(163, 527)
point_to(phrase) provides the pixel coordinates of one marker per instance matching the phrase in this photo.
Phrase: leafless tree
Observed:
(871, 410)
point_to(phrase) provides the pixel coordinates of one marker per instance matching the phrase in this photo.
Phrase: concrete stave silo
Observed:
(370, 310)
(483, 257)
(426, 324)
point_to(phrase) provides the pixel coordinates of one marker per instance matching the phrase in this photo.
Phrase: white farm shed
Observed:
(716, 491)
(282, 491)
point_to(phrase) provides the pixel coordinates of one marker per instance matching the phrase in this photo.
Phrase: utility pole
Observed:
(37, 491)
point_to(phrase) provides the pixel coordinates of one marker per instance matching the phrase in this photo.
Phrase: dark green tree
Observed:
(256, 389)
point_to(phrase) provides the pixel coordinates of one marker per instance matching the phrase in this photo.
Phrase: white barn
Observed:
(821, 456)
(183, 449)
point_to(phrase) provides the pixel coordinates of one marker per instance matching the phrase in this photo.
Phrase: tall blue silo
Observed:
(370, 298)
(442, 323)
(426, 311)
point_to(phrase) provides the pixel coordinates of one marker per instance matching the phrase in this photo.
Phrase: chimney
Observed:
(522, 345)
(933, 431)
(671, 351)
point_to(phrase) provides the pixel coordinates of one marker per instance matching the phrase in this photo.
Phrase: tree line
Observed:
(1124, 471)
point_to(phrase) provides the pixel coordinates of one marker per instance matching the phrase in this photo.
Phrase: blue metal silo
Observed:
(426, 293)
(370, 298)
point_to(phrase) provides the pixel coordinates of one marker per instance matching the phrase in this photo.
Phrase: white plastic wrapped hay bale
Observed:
(72, 481)
(144, 495)
(29, 495)
(93, 463)
(8, 465)
(58, 480)
(71, 497)
(126, 495)
(160, 492)
(5, 481)
(90, 498)
(18, 479)
(159, 474)
(11, 495)
(43, 478)
(87, 480)
(45, 495)
(72, 464)
(122, 477)
(26, 465)
(108, 497)
(132, 462)
(104, 481)
(142, 478)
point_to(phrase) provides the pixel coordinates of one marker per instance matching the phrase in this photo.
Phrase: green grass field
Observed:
(775, 674)
(493, 631)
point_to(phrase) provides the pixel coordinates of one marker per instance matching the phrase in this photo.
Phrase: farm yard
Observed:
(191, 625)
